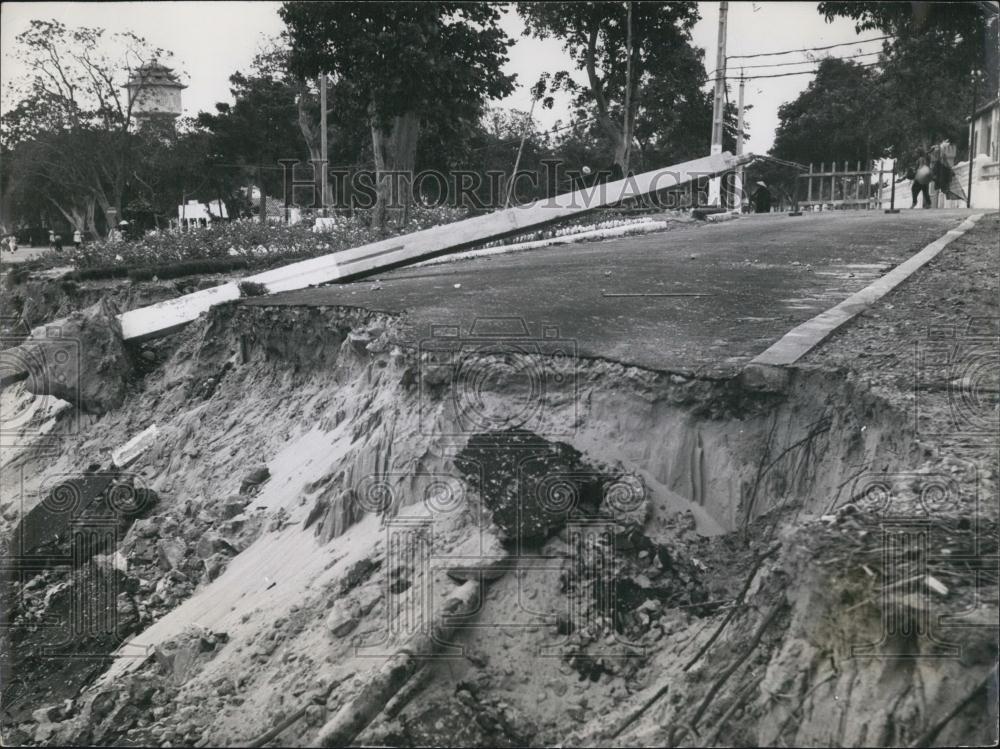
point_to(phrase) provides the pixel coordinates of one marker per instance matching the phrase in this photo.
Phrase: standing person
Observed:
(77, 239)
(762, 198)
(13, 243)
(920, 173)
(52, 239)
(57, 242)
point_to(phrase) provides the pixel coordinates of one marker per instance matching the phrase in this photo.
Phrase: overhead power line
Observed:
(808, 49)
(782, 75)
(800, 62)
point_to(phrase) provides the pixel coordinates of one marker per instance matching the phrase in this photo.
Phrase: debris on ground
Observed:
(81, 359)
(681, 562)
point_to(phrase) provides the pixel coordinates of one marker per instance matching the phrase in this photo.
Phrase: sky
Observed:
(211, 40)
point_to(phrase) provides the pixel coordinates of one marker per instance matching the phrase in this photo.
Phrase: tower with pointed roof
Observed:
(154, 93)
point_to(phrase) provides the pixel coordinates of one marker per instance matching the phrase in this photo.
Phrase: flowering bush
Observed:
(258, 243)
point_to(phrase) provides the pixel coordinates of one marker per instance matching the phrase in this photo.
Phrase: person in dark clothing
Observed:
(762, 199)
(919, 173)
(57, 242)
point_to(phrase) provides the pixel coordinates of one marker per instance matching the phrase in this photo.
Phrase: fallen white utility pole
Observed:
(166, 317)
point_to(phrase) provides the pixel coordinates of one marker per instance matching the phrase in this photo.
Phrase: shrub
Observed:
(188, 268)
(97, 273)
(252, 288)
(16, 276)
(258, 245)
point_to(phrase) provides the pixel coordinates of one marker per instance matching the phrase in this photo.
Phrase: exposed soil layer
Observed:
(28, 302)
(665, 560)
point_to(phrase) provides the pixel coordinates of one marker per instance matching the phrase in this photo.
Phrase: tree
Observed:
(925, 87)
(399, 65)
(258, 129)
(51, 175)
(834, 119)
(72, 107)
(967, 30)
(638, 57)
(176, 166)
(674, 125)
(273, 64)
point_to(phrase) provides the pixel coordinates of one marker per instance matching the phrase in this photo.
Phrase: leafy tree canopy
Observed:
(832, 119)
(925, 86)
(968, 29)
(627, 95)
(402, 57)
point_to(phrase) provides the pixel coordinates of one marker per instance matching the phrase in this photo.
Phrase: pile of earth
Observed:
(101, 546)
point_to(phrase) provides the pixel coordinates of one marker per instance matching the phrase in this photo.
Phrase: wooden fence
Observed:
(823, 188)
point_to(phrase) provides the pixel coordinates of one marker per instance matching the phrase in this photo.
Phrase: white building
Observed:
(194, 214)
(275, 209)
(984, 136)
(983, 127)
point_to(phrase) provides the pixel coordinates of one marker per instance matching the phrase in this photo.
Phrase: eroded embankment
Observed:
(662, 574)
(28, 301)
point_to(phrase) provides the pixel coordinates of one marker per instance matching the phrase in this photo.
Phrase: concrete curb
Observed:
(801, 340)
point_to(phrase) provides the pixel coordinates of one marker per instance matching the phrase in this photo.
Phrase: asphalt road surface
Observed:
(701, 299)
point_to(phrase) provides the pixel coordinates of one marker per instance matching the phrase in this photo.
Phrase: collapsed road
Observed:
(162, 318)
(695, 300)
(364, 532)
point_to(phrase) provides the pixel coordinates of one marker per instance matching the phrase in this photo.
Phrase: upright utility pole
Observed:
(972, 139)
(627, 134)
(322, 141)
(738, 184)
(718, 104)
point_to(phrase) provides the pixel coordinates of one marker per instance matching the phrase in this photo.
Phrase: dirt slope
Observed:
(684, 562)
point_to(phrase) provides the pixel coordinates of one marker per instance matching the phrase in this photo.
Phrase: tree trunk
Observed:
(628, 113)
(313, 139)
(73, 215)
(395, 155)
(92, 217)
(619, 134)
(119, 182)
(105, 205)
(263, 194)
